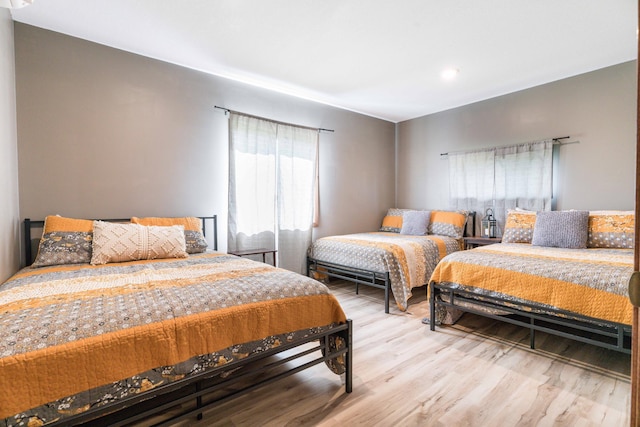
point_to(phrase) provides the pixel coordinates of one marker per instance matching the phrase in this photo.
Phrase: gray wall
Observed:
(105, 133)
(9, 213)
(597, 108)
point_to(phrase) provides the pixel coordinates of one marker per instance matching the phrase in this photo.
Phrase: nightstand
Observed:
(259, 251)
(475, 241)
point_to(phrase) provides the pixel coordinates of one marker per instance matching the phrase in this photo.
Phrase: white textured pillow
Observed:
(115, 242)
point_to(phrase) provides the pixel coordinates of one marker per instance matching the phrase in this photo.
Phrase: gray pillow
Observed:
(415, 222)
(561, 229)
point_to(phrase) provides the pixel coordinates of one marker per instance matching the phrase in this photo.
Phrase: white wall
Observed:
(597, 108)
(9, 213)
(105, 133)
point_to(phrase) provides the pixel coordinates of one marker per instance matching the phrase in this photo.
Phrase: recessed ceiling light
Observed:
(450, 73)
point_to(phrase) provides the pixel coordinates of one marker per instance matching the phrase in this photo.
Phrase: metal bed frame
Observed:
(257, 370)
(535, 317)
(359, 276)
(375, 279)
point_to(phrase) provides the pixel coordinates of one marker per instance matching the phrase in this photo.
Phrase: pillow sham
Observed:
(561, 229)
(415, 223)
(117, 242)
(611, 229)
(518, 227)
(194, 238)
(448, 223)
(392, 221)
(64, 241)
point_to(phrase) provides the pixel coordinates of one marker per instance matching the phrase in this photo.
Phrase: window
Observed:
(272, 176)
(502, 178)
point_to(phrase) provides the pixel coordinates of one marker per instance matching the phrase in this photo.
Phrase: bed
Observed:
(397, 258)
(578, 291)
(114, 341)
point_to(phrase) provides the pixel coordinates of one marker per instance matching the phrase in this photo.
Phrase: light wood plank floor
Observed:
(476, 373)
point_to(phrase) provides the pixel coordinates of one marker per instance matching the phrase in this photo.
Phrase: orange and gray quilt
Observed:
(410, 260)
(589, 282)
(77, 336)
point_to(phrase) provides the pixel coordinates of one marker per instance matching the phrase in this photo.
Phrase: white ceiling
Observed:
(380, 58)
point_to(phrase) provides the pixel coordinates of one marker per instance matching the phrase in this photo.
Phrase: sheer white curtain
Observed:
(272, 174)
(252, 183)
(502, 178)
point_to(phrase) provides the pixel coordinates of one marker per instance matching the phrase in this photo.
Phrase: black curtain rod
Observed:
(227, 111)
(555, 141)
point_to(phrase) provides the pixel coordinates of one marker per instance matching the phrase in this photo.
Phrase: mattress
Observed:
(409, 259)
(77, 336)
(589, 282)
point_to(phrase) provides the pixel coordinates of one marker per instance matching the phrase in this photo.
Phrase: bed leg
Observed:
(532, 335)
(348, 384)
(432, 307)
(386, 299)
(387, 285)
(198, 400)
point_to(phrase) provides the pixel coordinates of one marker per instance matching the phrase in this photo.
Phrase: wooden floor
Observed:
(476, 373)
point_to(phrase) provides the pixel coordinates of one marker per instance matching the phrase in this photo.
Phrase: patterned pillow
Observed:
(611, 229)
(64, 241)
(561, 229)
(193, 235)
(448, 223)
(415, 223)
(116, 242)
(519, 226)
(392, 222)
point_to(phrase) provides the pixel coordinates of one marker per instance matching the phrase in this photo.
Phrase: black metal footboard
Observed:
(253, 373)
(535, 317)
(358, 276)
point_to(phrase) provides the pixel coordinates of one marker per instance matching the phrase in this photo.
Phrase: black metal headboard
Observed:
(30, 225)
